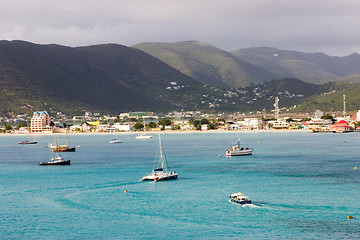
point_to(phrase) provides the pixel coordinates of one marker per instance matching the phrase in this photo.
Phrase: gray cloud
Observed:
(328, 26)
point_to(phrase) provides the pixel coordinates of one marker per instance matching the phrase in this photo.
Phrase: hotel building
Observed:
(40, 122)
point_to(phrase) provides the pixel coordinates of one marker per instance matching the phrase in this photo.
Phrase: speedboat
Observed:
(236, 150)
(58, 160)
(115, 140)
(239, 198)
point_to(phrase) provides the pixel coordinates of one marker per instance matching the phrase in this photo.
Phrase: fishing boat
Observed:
(160, 171)
(58, 160)
(62, 148)
(236, 150)
(239, 198)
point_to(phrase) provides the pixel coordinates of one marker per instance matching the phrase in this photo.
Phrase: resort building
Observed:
(40, 122)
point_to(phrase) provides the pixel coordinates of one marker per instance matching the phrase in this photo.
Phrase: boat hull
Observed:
(240, 202)
(239, 153)
(143, 137)
(27, 142)
(67, 162)
(158, 178)
(63, 149)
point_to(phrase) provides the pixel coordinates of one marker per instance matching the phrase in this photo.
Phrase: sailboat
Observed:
(236, 150)
(160, 171)
(62, 148)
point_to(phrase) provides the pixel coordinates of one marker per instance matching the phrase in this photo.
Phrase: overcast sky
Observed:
(329, 26)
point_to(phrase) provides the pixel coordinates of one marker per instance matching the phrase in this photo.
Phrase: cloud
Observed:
(329, 26)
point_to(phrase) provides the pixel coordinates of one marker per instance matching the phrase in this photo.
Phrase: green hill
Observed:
(108, 78)
(311, 67)
(207, 64)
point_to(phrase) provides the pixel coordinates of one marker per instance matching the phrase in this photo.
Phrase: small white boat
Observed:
(236, 150)
(143, 136)
(160, 173)
(115, 140)
(239, 198)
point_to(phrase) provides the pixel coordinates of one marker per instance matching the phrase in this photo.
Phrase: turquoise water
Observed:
(303, 186)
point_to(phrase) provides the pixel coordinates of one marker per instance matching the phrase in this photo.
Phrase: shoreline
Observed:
(157, 132)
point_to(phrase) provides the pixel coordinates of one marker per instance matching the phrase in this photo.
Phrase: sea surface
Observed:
(303, 186)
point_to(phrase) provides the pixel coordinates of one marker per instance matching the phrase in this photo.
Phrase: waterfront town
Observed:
(42, 123)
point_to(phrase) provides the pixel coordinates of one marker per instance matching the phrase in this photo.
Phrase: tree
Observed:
(327, 116)
(23, 124)
(204, 121)
(138, 126)
(7, 127)
(151, 125)
(164, 122)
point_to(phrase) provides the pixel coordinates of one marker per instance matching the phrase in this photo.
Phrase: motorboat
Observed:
(236, 150)
(115, 140)
(28, 142)
(143, 136)
(58, 160)
(160, 171)
(239, 198)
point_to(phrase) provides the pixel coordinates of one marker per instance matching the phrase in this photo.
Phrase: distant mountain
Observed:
(112, 78)
(109, 78)
(311, 67)
(208, 64)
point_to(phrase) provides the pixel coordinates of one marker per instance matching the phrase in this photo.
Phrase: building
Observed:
(250, 124)
(341, 126)
(40, 122)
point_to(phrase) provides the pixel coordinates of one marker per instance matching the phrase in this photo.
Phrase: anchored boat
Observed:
(236, 150)
(160, 171)
(58, 160)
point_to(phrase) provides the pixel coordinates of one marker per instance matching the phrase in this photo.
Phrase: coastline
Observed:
(156, 132)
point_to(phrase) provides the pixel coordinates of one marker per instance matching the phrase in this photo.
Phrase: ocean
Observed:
(302, 186)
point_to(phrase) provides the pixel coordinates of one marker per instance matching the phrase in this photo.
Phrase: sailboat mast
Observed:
(161, 153)
(67, 139)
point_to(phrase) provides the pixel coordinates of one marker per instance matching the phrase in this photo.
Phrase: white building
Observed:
(123, 127)
(40, 122)
(250, 124)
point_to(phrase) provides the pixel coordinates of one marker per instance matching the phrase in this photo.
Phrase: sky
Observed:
(328, 26)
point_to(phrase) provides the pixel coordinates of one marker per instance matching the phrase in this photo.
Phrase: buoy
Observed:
(350, 217)
(355, 167)
(259, 141)
(125, 191)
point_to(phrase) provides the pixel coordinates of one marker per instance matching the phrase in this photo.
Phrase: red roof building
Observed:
(341, 126)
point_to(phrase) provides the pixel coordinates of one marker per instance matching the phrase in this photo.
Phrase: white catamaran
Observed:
(160, 171)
